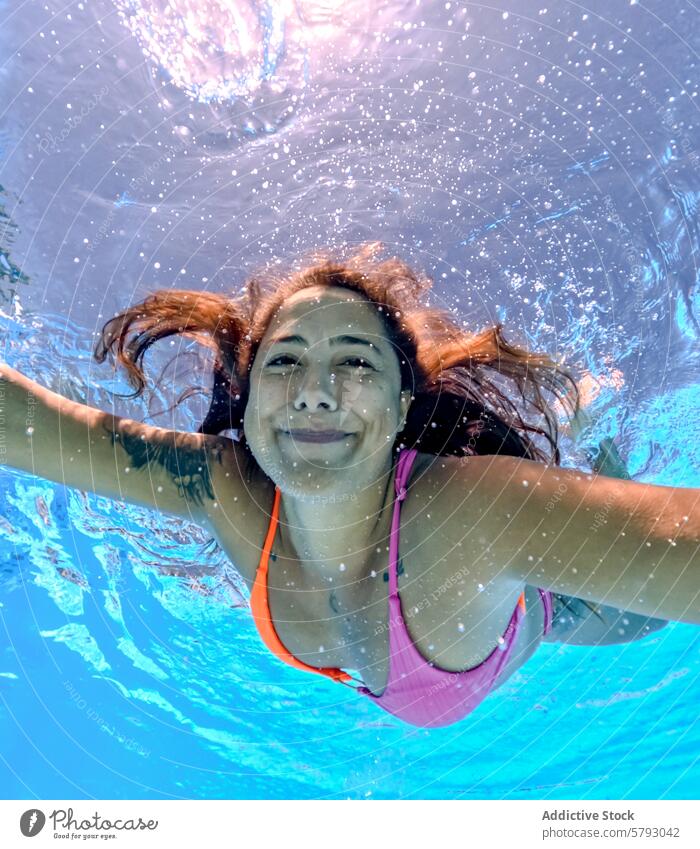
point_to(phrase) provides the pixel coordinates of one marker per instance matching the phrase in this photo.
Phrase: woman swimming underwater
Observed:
(383, 500)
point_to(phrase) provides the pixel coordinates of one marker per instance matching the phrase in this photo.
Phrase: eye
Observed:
(359, 362)
(287, 360)
(278, 361)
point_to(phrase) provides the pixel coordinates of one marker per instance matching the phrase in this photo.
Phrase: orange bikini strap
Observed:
(259, 607)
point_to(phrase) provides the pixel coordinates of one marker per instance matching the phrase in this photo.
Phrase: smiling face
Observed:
(325, 401)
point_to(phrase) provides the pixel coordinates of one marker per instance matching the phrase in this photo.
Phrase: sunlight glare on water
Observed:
(215, 50)
(540, 161)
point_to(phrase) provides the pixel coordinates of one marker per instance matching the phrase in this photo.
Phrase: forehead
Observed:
(319, 310)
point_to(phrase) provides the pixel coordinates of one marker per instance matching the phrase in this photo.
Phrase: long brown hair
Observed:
(457, 408)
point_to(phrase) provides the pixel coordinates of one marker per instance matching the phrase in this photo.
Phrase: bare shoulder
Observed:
(451, 521)
(457, 486)
(239, 513)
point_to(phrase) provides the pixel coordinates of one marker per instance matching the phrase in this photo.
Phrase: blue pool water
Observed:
(540, 161)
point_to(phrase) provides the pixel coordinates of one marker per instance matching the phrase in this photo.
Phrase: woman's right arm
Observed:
(50, 436)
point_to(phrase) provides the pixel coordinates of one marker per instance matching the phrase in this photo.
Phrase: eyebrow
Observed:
(334, 340)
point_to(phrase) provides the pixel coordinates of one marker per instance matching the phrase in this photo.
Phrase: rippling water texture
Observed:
(540, 162)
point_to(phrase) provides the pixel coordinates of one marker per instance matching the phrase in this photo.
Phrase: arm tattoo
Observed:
(187, 467)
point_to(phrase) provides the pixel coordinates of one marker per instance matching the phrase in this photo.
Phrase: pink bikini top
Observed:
(417, 691)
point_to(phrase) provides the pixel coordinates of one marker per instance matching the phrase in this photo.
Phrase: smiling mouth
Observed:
(317, 435)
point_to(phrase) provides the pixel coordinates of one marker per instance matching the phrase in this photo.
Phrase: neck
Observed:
(334, 537)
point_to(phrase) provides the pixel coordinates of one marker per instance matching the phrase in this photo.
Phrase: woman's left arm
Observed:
(618, 542)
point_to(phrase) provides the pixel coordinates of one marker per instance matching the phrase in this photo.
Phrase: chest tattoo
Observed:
(399, 571)
(333, 601)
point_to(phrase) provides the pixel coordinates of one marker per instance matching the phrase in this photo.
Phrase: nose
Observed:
(316, 391)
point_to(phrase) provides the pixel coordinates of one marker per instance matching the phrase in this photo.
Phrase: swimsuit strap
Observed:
(260, 609)
(403, 470)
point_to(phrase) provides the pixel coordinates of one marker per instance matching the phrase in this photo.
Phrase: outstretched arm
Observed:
(79, 446)
(618, 542)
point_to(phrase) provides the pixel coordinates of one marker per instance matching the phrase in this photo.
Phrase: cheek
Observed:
(262, 398)
(370, 400)
(254, 415)
(259, 438)
(352, 393)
